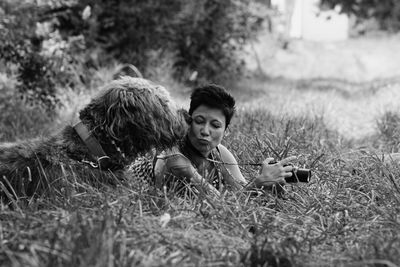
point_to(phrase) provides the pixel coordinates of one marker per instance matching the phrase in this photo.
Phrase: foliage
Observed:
(203, 35)
(388, 132)
(38, 74)
(208, 34)
(386, 12)
(19, 119)
(125, 30)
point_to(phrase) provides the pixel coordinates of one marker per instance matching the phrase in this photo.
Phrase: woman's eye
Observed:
(198, 120)
(216, 125)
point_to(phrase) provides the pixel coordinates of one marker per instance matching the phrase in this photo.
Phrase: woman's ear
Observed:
(227, 131)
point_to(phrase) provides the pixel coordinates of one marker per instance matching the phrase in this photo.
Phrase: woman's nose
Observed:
(205, 130)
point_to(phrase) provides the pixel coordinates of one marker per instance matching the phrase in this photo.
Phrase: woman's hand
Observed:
(274, 173)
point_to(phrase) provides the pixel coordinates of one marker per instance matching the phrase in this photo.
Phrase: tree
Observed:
(386, 12)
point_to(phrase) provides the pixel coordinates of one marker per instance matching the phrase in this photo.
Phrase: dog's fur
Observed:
(129, 117)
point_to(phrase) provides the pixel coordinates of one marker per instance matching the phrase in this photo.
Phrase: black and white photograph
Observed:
(199, 133)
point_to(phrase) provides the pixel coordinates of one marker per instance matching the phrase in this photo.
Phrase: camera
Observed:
(298, 174)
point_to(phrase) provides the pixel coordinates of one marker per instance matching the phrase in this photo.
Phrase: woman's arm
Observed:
(270, 173)
(231, 172)
(178, 165)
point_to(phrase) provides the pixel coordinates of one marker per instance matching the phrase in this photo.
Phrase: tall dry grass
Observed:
(348, 215)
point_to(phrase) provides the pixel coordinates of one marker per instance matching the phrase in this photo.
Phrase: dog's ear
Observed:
(127, 70)
(118, 113)
(186, 115)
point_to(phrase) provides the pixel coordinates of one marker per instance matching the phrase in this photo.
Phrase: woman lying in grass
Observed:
(201, 160)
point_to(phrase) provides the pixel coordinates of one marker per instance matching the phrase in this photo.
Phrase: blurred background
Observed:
(332, 59)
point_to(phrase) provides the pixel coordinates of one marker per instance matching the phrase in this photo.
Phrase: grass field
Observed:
(350, 83)
(348, 215)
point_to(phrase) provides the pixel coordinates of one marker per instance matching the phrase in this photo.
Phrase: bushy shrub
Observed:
(38, 74)
(208, 35)
(204, 36)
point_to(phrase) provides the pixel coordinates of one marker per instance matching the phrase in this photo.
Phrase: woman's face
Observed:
(207, 129)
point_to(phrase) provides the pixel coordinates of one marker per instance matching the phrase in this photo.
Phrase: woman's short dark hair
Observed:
(213, 96)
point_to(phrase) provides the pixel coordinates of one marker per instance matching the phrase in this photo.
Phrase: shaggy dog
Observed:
(129, 117)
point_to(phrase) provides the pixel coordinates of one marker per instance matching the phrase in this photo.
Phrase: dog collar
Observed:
(103, 161)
